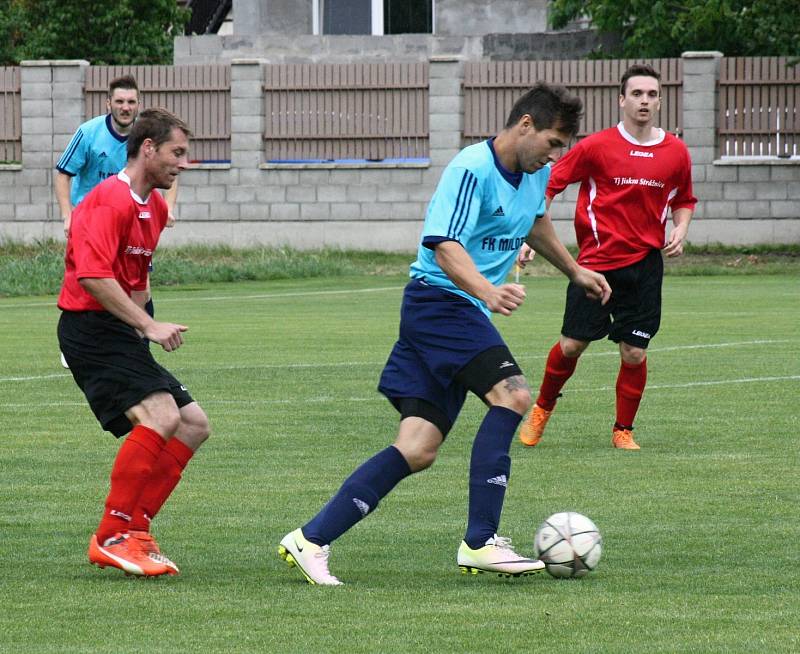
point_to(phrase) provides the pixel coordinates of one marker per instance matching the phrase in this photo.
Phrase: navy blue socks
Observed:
(489, 470)
(358, 496)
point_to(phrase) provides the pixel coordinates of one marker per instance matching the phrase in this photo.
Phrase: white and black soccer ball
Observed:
(569, 544)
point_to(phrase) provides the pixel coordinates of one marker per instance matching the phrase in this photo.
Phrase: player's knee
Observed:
(572, 348)
(194, 429)
(631, 355)
(520, 401)
(420, 458)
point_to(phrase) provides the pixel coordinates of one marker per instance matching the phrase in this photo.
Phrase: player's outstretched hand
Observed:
(594, 284)
(526, 254)
(168, 335)
(505, 298)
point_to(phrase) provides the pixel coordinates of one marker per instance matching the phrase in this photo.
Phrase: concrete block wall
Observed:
(370, 205)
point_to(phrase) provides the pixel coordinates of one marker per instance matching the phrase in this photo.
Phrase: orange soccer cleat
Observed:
(623, 439)
(119, 552)
(532, 428)
(148, 545)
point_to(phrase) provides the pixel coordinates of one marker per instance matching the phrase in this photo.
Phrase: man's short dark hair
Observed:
(122, 82)
(639, 70)
(548, 105)
(155, 124)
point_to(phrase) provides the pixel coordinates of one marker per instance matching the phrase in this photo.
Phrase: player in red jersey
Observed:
(112, 238)
(631, 175)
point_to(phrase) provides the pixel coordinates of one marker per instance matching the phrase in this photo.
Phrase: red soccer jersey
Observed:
(626, 191)
(113, 235)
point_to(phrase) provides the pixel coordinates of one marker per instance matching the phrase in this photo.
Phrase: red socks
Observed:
(558, 370)
(630, 386)
(165, 476)
(131, 471)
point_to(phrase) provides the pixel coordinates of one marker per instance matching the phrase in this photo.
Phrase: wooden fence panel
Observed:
(200, 95)
(491, 88)
(758, 107)
(326, 112)
(10, 115)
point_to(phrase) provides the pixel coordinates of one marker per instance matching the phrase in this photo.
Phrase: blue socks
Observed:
(489, 470)
(358, 496)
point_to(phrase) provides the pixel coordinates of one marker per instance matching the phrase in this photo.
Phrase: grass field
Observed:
(701, 527)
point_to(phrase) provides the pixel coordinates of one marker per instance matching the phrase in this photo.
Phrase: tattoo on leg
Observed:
(516, 383)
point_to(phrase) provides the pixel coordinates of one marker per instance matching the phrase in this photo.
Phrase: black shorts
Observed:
(113, 367)
(632, 315)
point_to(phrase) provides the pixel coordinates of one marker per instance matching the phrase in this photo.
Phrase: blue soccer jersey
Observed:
(486, 209)
(95, 153)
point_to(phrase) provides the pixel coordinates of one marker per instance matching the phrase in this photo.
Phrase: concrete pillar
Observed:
(700, 75)
(247, 113)
(52, 108)
(446, 113)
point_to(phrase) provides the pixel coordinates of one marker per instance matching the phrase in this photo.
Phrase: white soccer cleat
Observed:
(496, 556)
(310, 559)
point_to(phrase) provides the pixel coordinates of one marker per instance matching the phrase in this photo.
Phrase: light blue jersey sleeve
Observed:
(74, 156)
(454, 209)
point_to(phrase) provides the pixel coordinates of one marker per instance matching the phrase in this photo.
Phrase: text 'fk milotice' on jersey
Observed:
(627, 189)
(113, 235)
(485, 208)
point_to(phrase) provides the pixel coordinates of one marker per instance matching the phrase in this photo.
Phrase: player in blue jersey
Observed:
(490, 199)
(98, 150)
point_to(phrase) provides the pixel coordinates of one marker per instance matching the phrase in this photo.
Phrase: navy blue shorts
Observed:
(442, 335)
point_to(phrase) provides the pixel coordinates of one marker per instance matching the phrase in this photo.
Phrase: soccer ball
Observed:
(569, 544)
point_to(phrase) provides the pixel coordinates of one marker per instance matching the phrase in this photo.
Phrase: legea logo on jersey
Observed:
(138, 249)
(639, 153)
(144, 215)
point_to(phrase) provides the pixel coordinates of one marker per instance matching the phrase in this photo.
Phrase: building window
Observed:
(373, 16)
(407, 16)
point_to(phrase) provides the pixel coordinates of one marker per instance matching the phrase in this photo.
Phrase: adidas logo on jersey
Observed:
(498, 212)
(500, 480)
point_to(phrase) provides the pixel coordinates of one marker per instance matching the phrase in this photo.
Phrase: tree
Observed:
(666, 28)
(101, 31)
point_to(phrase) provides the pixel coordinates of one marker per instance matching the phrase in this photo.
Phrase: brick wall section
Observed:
(368, 206)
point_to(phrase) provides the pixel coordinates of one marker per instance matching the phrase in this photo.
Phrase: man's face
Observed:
(165, 162)
(123, 105)
(642, 99)
(537, 148)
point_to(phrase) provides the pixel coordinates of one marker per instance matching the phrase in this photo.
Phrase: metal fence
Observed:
(758, 107)
(324, 112)
(491, 88)
(10, 115)
(200, 95)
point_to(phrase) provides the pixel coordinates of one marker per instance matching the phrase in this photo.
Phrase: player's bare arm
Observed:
(110, 294)
(63, 187)
(460, 268)
(544, 240)
(677, 237)
(526, 252)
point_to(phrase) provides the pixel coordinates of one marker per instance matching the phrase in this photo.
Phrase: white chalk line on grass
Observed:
(379, 398)
(261, 296)
(353, 364)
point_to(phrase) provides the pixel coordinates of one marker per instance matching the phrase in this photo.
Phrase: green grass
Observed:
(700, 527)
(37, 269)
